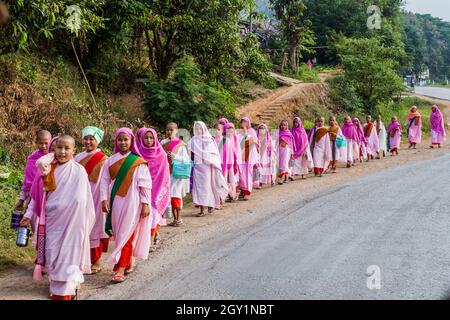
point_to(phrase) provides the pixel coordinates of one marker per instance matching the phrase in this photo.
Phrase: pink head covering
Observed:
(223, 121)
(230, 151)
(268, 146)
(204, 147)
(158, 165)
(300, 138)
(437, 120)
(286, 136)
(130, 134)
(394, 125)
(359, 131)
(349, 131)
(250, 130)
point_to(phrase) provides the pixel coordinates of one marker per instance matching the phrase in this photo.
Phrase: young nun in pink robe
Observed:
(395, 133)
(176, 150)
(414, 127)
(63, 207)
(301, 157)
(92, 159)
(319, 141)
(438, 134)
(129, 220)
(362, 144)
(266, 156)
(152, 152)
(250, 157)
(339, 153)
(209, 188)
(373, 143)
(349, 132)
(43, 138)
(285, 148)
(230, 151)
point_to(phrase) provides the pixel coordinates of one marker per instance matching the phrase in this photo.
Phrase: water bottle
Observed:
(168, 214)
(23, 234)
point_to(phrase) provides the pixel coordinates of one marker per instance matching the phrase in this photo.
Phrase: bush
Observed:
(304, 74)
(344, 95)
(186, 97)
(256, 64)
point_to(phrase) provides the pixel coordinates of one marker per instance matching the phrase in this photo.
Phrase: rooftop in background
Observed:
(437, 8)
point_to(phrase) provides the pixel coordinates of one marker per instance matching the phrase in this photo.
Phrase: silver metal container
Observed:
(23, 234)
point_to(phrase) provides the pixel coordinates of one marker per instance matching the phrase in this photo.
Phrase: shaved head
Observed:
(67, 138)
(43, 134)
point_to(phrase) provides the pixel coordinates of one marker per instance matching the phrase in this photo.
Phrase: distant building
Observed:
(262, 30)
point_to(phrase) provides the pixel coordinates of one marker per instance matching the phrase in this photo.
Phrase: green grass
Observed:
(439, 85)
(304, 74)
(10, 254)
(402, 108)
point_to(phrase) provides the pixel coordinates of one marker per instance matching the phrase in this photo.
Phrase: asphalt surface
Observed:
(439, 93)
(319, 245)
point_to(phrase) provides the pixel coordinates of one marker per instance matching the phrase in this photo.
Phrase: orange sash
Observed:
(50, 180)
(368, 129)
(114, 170)
(320, 133)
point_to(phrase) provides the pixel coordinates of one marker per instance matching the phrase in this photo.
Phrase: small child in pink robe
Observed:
(63, 207)
(43, 138)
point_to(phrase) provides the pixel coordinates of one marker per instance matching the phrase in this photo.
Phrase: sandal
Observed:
(130, 269)
(152, 249)
(95, 270)
(201, 214)
(174, 223)
(179, 222)
(210, 210)
(118, 278)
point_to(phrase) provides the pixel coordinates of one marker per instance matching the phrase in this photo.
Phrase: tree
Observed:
(36, 23)
(185, 97)
(295, 27)
(349, 18)
(371, 70)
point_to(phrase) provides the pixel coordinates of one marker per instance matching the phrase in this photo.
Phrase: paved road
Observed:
(439, 93)
(319, 246)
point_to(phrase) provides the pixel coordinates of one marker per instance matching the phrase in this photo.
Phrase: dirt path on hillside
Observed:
(18, 284)
(277, 103)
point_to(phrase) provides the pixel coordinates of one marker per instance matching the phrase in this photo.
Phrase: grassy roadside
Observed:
(10, 254)
(446, 86)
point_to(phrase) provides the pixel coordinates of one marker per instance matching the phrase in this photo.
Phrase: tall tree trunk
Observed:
(293, 58)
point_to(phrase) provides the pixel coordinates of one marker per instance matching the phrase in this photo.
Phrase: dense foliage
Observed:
(370, 71)
(186, 97)
(427, 41)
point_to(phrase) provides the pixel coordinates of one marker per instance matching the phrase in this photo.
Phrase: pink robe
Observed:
(322, 152)
(394, 142)
(373, 143)
(126, 212)
(70, 216)
(209, 187)
(415, 132)
(267, 161)
(98, 231)
(30, 174)
(437, 138)
(247, 166)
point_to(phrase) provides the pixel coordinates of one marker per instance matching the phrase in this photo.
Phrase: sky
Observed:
(437, 8)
